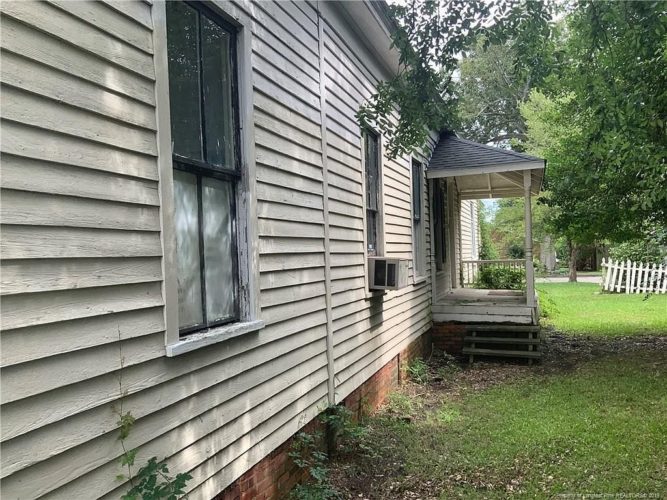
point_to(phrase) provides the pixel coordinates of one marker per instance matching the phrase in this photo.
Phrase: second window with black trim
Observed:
(205, 151)
(372, 169)
(419, 256)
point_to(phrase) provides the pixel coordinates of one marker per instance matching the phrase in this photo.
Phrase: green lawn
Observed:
(591, 419)
(580, 308)
(600, 429)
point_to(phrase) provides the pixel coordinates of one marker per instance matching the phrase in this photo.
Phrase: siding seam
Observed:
(325, 192)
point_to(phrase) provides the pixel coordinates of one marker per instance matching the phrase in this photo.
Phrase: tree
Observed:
(430, 35)
(495, 80)
(618, 80)
(553, 136)
(602, 129)
(487, 250)
(507, 228)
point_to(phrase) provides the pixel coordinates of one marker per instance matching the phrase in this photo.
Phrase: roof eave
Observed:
(484, 169)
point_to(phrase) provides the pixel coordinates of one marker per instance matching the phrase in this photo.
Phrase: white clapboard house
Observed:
(193, 221)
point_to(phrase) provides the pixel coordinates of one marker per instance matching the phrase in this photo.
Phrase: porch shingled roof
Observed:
(452, 152)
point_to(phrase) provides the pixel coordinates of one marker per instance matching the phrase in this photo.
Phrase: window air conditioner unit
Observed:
(387, 274)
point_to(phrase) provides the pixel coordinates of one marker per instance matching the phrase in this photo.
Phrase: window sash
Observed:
(417, 225)
(416, 190)
(372, 176)
(440, 223)
(203, 160)
(203, 298)
(205, 166)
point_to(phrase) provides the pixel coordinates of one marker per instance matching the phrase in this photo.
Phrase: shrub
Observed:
(418, 371)
(501, 278)
(639, 251)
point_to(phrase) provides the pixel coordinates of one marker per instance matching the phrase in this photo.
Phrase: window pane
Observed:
(217, 200)
(184, 99)
(217, 84)
(187, 249)
(371, 228)
(416, 190)
(418, 257)
(372, 171)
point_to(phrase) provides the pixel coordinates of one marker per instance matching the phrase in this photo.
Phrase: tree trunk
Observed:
(572, 247)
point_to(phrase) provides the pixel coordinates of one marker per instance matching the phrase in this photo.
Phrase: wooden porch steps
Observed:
(511, 341)
(500, 340)
(499, 352)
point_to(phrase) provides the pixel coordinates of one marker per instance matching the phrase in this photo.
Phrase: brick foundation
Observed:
(448, 337)
(275, 475)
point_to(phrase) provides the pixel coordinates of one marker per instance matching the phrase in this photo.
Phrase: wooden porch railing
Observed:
(470, 268)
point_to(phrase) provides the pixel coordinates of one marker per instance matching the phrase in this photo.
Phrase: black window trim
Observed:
(201, 169)
(366, 134)
(418, 202)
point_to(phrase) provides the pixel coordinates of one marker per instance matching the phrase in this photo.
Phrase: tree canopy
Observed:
(601, 126)
(430, 36)
(592, 100)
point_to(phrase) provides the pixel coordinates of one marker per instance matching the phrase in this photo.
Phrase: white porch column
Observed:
(528, 241)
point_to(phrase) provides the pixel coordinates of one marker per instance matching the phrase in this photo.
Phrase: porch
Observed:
(473, 305)
(460, 171)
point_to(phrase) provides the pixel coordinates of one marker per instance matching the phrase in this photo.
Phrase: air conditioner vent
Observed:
(387, 274)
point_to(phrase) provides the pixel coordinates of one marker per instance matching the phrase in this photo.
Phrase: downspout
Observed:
(331, 388)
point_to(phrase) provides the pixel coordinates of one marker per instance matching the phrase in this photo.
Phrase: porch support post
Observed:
(528, 241)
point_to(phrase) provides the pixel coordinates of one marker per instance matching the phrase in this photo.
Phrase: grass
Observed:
(580, 308)
(601, 429)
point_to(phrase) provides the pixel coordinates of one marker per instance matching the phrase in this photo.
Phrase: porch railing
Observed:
(470, 268)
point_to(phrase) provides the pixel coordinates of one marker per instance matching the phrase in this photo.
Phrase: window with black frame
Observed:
(440, 223)
(205, 138)
(417, 223)
(372, 168)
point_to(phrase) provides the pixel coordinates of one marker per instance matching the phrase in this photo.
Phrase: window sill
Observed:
(419, 280)
(212, 336)
(371, 294)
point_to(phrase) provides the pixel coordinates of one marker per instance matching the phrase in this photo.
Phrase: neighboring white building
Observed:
(186, 191)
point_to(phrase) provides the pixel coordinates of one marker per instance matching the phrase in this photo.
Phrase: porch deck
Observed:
(471, 305)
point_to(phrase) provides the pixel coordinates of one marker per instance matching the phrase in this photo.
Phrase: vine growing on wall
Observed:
(153, 480)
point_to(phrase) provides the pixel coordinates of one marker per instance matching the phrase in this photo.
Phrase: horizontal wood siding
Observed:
(469, 225)
(367, 331)
(81, 251)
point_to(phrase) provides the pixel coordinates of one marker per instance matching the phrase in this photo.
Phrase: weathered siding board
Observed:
(364, 331)
(20, 72)
(70, 59)
(30, 343)
(24, 174)
(469, 225)
(82, 253)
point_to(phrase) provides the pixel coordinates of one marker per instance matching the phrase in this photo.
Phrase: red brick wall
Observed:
(448, 337)
(275, 475)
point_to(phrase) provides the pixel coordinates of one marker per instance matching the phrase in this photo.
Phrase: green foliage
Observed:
(399, 404)
(496, 79)
(652, 249)
(347, 433)
(153, 482)
(487, 250)
(501, 278)
(507, 226)
(602, 125)
(125, 424)
(430, 35)
(418, 371)
(306, 454)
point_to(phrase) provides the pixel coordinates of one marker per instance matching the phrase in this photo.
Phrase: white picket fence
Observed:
(633, 277)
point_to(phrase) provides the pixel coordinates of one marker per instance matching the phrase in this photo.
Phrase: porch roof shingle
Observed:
(452, 152)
